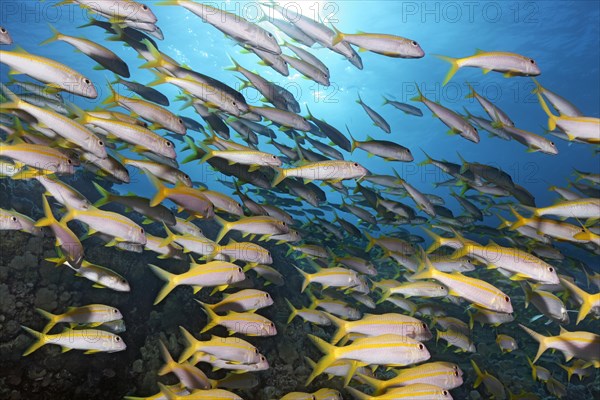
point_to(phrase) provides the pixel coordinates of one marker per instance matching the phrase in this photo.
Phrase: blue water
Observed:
(561, 36)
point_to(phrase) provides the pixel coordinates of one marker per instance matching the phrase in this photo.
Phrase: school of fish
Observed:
(380, 297)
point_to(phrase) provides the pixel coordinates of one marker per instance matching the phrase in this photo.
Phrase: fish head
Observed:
(414, 50)
(420, 353)
(549, 275)
(180, 126)
(137, 234)
(96, 146)
(167, 149)
(422, 332)
(273, 160)
(262, 364)
(269, 43)
(117, 344)
(266, 300)
(117, 283)
(549, 147)
(503, 304)
(83, 86)
(10, 222)
(65, 166)
(454, 379)
(358, 170)
(185, 179)
(114, 314)
(140, 12)
(269, 328)
(238, 275)
(531, 68)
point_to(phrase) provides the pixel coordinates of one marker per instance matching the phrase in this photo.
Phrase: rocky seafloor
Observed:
(28, 281)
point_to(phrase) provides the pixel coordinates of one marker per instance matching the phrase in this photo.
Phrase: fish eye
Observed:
(267, 295)
(274, 157)
(442, 288)
(118, 339)
(142, 230)
(552, 143)
(269, 34)
(284, 224)
(255, 351)
(445, 393)
(144, 7)
(421, 347)
(424, 325)
(87, 81)
(551, 269)
(115, 311)
(355, 164)
(2, 30)
(180, 121)
(169, 144)
(240, 269)
(13, 219)
(414, 43)
(507, 299)
(123, 281)
(271, 324)
(69, 161)
(455, 373)
(234, 103)
(532, 61)
(262, 358)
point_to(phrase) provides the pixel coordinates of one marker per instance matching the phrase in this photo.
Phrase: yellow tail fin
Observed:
(41, 340)
(190, 347)
(541, 339)
(328, 359)
(453, 67)
(168, 287)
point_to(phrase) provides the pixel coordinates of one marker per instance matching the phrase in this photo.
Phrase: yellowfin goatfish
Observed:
(38, 156)
(442, 374)
(96, 52)
(334, 171)
(256, 225)
(58, 76)
(120, 227)
(190, 376)
(118, 9)
(233, 25)
(92, 315)
(244, 300)
(9, 222)
(66, 240)
(245, 323)
(391, 350)
(510, 64)
(92, 340)
(415, 391)
(388, 45)
(454, 121)
(161, 117)
(492, 384)
(72, 131)
(214, 273)
(471, 289)
(583, 345)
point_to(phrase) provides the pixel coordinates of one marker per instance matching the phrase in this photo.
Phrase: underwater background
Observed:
(563, 37)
